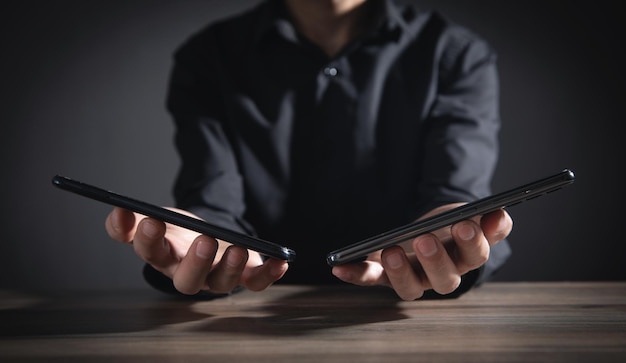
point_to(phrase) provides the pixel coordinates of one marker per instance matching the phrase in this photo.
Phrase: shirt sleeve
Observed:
(209, 183)
(461, 131)
(461, 143)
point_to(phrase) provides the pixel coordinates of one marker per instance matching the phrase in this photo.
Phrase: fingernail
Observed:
(115, 224)
(426, 246)
(203, 250)
(150, 230)
(466, 232)
(233, 260)
(394, 260)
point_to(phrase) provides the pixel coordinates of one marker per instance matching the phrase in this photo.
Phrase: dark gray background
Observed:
(82, 85)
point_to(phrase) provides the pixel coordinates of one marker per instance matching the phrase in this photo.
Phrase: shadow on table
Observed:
(310, 310)
(299, 312)
(91, 313)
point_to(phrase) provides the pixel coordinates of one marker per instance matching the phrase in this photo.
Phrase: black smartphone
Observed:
(360, 250)
(266, 248)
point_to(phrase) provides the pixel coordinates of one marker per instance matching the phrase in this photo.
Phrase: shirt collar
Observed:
(396, 16)
(274, 19)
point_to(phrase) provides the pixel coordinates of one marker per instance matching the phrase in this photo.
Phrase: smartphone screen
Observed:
(266, 248)
(508, 198)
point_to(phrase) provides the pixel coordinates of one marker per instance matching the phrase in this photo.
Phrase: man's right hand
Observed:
(193, 261)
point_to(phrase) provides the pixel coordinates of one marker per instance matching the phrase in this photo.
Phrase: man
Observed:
(316, 124)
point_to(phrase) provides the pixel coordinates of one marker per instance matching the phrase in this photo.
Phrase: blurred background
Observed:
(83, 84)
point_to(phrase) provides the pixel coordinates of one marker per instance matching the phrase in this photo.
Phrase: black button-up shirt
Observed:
(314, 152)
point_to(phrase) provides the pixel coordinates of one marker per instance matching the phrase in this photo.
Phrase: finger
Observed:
(366, 273)
(191, 274)
(120, 225)
(225, 276)
(150, 244)
(439, 268)
(471, 247)
(496, 225)
(401, 275)
(260, 277)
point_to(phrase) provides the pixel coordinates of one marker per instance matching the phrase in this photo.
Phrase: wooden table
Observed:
(499, 322)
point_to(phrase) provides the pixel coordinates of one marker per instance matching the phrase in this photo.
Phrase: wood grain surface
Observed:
(498, 322)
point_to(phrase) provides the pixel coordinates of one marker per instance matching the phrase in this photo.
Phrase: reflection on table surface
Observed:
(496, 322)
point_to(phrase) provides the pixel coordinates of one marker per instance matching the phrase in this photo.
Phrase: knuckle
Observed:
(149, 255)
(223, 282)
(469, 261)
(410, 295)
(481, 258)
(258, 286)
(146, 254)
(449, 285)
(222, 289)
(184, 287)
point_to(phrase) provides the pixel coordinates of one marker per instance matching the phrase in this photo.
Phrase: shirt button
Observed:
(331, 71)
